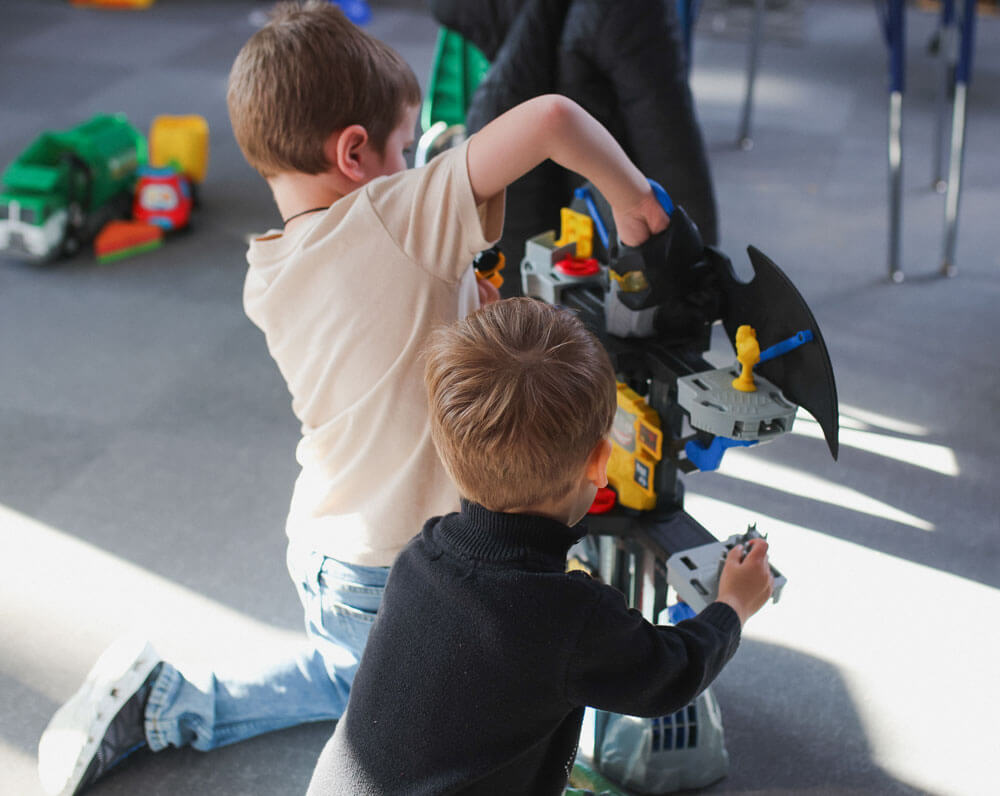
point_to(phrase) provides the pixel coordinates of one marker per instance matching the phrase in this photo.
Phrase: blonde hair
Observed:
(519, 394)
(306, 74)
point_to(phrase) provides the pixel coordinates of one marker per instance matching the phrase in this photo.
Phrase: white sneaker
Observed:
(103, 722)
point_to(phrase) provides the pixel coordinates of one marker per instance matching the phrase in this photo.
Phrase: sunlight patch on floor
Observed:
(917, 662)
(62, 600)
(753, 469)
(938, 458)
(856, 417)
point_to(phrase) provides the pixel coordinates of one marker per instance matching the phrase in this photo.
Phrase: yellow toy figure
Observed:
(748, 354)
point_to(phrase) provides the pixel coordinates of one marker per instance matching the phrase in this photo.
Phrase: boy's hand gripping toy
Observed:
(695, 573)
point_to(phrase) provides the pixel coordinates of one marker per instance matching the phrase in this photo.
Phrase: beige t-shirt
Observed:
(346, 303)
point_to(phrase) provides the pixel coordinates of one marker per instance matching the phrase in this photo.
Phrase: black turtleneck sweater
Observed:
(485, 653)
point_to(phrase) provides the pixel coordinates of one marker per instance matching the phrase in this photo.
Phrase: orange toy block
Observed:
(120, 239)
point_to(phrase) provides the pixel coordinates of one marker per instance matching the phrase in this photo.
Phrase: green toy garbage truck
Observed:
(66, 185)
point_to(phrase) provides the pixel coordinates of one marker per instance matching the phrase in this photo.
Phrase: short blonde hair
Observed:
(519, 394)
(306, 74)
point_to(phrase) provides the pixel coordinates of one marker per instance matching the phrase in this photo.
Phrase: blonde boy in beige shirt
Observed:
(370, 258)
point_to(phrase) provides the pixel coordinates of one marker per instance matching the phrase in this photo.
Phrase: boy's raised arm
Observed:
(554, 127)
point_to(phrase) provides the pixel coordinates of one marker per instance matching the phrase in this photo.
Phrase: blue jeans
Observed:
(280, 687)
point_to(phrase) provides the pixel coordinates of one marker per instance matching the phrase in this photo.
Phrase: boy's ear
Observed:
(346, 150)
(597, 463)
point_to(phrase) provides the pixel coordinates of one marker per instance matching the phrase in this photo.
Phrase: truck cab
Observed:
(66, 185)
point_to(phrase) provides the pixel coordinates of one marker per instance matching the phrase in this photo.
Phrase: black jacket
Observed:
(484, 654)
(622, 60)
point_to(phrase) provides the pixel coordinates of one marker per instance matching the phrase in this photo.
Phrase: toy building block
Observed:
(539, 275)
(181, 142)
(358, 11)
(576, 228)
(123, 4)
(120, 239)
(458, 68)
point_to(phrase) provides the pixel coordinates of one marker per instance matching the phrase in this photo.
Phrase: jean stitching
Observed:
(166, 683)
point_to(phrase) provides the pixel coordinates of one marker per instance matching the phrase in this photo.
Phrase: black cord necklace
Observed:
(284, 221)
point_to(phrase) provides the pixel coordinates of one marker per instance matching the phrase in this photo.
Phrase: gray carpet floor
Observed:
(147, 444)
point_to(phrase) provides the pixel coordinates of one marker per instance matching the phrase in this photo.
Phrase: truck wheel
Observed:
(74, 226)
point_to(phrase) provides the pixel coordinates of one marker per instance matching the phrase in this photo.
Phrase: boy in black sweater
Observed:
(485, 650)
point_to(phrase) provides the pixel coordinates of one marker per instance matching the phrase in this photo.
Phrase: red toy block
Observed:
(120, 239)
(575, 266)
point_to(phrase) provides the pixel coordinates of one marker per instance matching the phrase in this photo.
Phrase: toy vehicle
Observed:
(162, 197)
(66, 185)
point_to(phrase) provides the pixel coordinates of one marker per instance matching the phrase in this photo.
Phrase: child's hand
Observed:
(488, 293)
(746, 582)
(637, 223)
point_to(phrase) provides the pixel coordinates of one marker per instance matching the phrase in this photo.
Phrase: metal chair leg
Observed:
(947, 40)
(753, 53)
(963, 73)
(895, 35)
(895, 183)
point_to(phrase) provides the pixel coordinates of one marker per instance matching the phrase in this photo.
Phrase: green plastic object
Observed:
(66, 184)
(458, 68)
(585, 779)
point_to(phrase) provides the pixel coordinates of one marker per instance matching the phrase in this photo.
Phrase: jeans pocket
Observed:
(349, 597)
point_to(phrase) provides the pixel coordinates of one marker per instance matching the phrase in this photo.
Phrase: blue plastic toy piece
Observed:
(357, 11)
(602, 231)
(678, 612)
(785, 346)
(662, 197)
(708, 459)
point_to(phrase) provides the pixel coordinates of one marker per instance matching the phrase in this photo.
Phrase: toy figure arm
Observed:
(554, 127)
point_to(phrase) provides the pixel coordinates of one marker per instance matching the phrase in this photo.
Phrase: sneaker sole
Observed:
(75, 732)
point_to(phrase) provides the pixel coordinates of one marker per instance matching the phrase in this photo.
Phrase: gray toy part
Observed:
(715, 406)
(669, 753)
(694, 573)
(625, 322)
(539, 278)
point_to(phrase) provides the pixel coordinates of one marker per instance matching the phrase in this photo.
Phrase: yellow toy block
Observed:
(636, 447)
(114, 3)
(182, 142)
(576, 228)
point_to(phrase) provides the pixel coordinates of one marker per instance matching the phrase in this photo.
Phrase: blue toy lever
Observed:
(602, 231)
(584, 193)
(662, 197)
(708, 459)
(789, 344)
